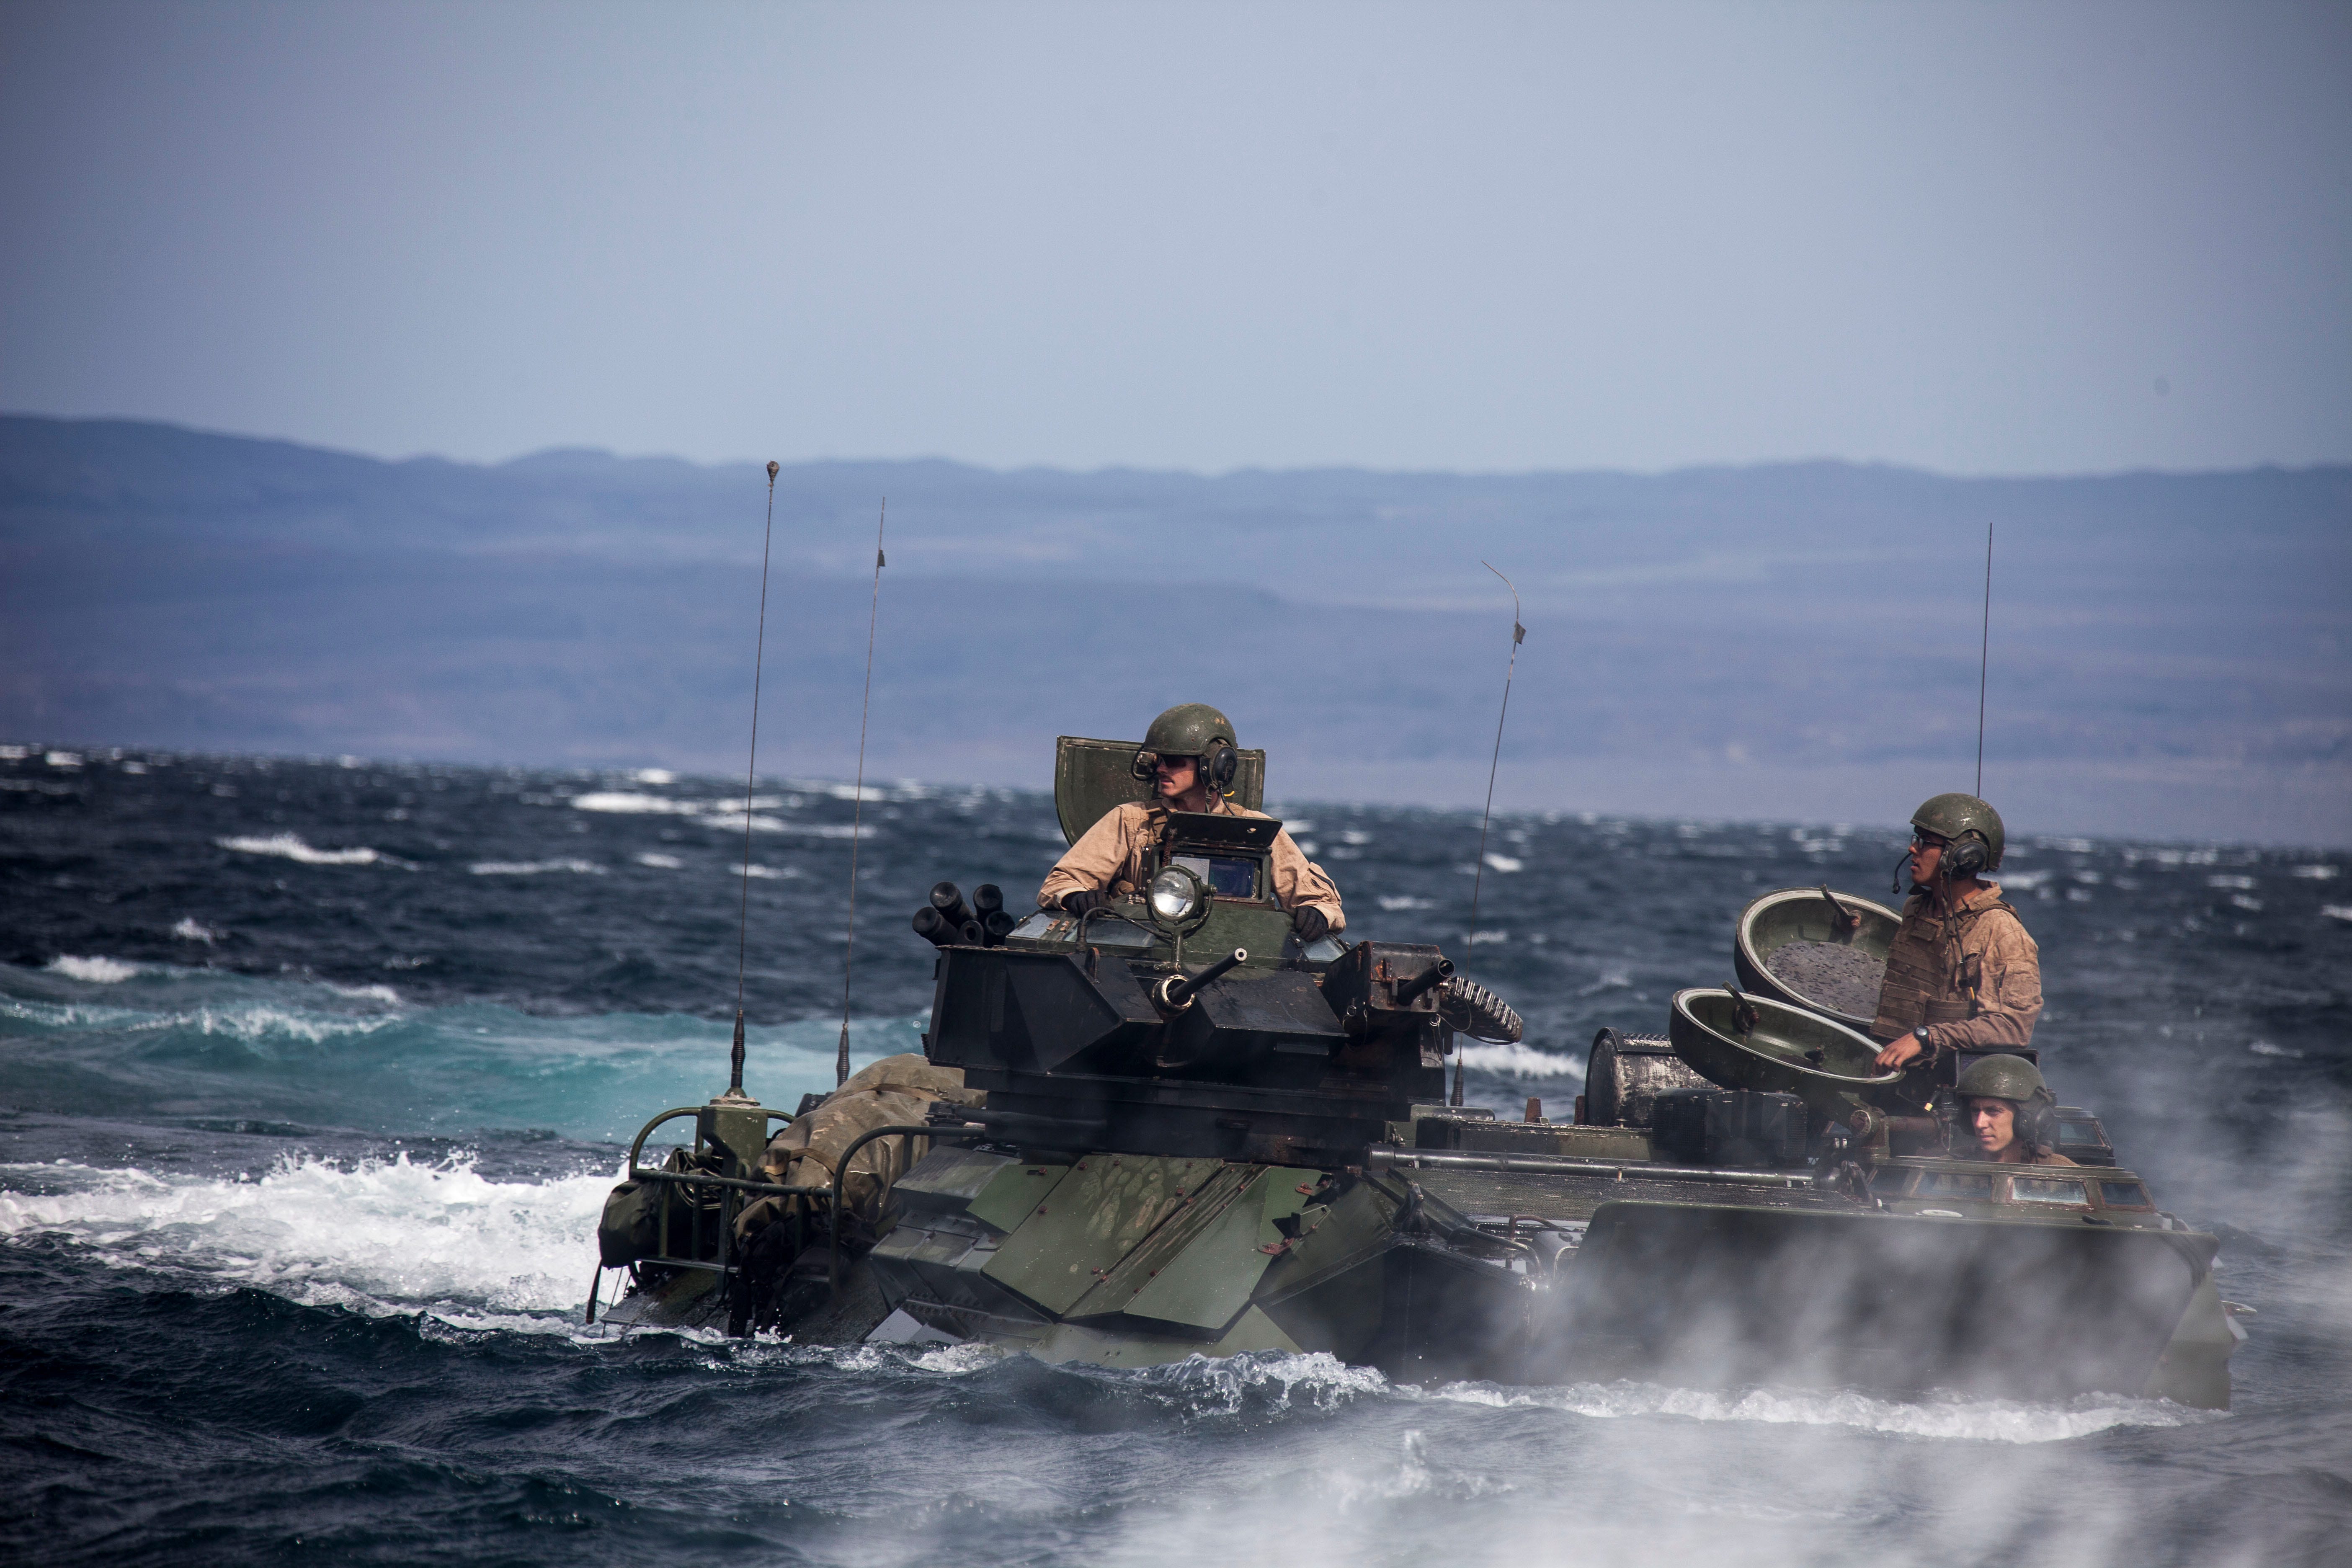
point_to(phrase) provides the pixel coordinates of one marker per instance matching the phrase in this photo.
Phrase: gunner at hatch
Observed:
(1961, 972)
(2008, 1114)
(1190, 756)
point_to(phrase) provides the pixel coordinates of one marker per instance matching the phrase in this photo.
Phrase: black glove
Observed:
(1309, 923)
(1084, 899)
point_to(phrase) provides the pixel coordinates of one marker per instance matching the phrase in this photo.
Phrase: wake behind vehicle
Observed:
(1181, 1130)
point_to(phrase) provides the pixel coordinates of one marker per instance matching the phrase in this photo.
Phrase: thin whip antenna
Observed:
(750, 772)
(1518, 636)
(857, 816)
(1984, 659)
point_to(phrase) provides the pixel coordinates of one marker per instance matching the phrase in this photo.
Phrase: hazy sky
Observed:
(1979, 238)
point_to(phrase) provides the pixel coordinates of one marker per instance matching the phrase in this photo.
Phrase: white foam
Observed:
(778, 824)
(187, 929)
(630, 802)
(378, 1236)
(1978, 1420)
(654, 776)
(659, 862)
(2314, 873)
(1520, 1061)
(96, 971)
(290, 847)
(534, 868)
(1504, 862)
(383, 994)
(2337, 911)
(762, 873)
(2228, 882)
(1406, 901)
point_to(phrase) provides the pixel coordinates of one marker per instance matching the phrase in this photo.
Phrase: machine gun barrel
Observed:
(1408, 991)
(1175, 994)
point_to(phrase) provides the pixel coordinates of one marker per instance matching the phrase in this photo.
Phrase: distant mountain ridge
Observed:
(2171, 653)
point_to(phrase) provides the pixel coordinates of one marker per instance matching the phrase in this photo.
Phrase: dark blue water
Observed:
(313, 1077)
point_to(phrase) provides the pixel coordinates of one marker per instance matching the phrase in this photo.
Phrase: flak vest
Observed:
(1929, 979)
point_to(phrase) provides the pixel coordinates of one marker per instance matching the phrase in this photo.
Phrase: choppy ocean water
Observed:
(313, 1077)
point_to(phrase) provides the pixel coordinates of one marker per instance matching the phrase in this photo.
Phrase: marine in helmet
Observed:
(1961, 971)
(2009, 1113)
(1190, 756)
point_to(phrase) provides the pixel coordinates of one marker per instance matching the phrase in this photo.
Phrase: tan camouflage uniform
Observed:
(1115, 855)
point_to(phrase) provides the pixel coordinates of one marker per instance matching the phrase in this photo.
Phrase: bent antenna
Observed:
(857, 813)
(750, 772)
(1518, 636)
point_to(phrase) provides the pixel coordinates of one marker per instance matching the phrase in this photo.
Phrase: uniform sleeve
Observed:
(1094, 861)
(1298, 881)
(2008, 992)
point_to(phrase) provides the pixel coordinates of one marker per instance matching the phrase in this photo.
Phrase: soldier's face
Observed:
(1926, 858)
(1177, 776)
(1994, 1122)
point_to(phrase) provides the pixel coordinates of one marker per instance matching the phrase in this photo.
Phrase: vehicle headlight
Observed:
(1176, 895)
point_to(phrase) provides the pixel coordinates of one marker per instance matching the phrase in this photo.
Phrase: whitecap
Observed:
(187, 929)
(290, 847)
(2314, 873)
(1520, 1061)
(2337, 912)
(659, 862)
(630, 802)
(759, 872)
(534, 868)
(654, 776)
(1504, 862)
(96, 971)
(2241, 882)
(1406, 901)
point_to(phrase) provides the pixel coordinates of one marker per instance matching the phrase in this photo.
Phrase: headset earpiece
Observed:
(2037, 1121)
(1220, 765)
(1965, 857)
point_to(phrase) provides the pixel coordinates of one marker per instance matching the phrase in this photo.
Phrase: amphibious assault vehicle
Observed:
(1189, 1132)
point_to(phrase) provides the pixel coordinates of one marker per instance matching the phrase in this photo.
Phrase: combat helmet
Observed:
(1966, 821)
(2001, 1078)
(1193, 730)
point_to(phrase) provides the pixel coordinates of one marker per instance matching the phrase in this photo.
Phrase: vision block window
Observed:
(2047, 1190)
(1227, 876)
(2124, 1195)
(1953, 1185)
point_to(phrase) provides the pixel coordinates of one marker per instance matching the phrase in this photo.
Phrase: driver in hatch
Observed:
(1190, 751)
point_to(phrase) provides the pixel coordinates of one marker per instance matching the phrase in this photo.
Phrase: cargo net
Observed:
(1471, 1009)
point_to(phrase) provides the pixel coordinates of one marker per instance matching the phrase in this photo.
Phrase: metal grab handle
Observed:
(841, 1177)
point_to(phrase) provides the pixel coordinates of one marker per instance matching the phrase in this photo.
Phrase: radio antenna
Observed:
(750, 772)
(1984, 659)
(857, 814)
(1518, 636)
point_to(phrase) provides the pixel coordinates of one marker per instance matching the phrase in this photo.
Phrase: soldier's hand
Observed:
(1309, 923)
(1900, 1054)
(1084, 900)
